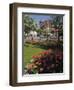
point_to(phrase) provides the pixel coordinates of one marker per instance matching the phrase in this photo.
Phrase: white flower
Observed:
(31, 60)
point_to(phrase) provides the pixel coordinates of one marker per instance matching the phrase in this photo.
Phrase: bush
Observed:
(47, 44)
(49, 61)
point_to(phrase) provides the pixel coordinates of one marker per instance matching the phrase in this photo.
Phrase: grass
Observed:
(29, 51)
(32, 49)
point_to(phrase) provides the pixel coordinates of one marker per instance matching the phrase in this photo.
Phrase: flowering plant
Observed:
(48, 61)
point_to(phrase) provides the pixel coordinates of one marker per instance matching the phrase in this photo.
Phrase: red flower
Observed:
(45, 52)
(36, 57)
(33, 56)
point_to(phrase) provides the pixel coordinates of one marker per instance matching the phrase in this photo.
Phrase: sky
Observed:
(38, 17)
(41, 17)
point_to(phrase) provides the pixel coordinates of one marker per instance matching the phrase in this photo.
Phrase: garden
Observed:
(39, 58)
(43, 46)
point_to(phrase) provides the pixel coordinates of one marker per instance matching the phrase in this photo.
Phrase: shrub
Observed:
(48, 61)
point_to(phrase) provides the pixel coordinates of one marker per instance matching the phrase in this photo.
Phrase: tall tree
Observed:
(58, 24)
(29, 24)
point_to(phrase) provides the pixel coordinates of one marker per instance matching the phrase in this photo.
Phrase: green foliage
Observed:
(58, 24)
(29, 24)
(39, 31)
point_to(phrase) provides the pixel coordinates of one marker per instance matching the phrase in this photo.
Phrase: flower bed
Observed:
(49, 61)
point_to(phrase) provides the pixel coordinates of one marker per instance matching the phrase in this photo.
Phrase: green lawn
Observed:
(29, 51)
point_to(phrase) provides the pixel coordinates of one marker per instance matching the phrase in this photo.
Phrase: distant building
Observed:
(49, 27)
(46, 25)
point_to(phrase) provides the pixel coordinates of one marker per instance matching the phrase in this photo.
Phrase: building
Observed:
(46, 25)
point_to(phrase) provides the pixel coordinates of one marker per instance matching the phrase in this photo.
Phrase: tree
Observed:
(39, 31)
(29, 24)
(58, 24)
